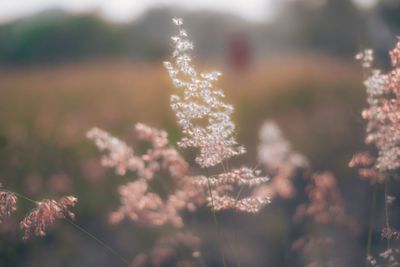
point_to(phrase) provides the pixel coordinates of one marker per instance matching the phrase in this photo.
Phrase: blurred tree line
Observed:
(336, 27)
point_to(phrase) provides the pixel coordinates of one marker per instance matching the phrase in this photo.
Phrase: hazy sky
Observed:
(123, 10)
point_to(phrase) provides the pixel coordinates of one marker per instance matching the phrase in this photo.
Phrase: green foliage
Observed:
(56, 38)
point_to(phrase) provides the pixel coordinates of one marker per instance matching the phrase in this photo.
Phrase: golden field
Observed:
(45, 112)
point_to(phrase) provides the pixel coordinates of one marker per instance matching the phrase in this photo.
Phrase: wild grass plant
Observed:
(165, 189)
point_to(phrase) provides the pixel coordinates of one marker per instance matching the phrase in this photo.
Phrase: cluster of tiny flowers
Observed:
(241, 176)
(206, 124)
(395, 54)
(279, 160)
(274, 151)
(41, 217)
(204, 118)
(325, 202)
(149, 209)
(161, 156)
(383, 113)
(388, 257)
(390, 199)
(223, 183)
(222, 186)
(45, 215)
(8, 204)
(388, 233)
(181, 249)
(372, 261)
(325, 208)
(366, 57)
(365, 163)
(138, 202)
(246, 204)
(120, 156)
(383, 131)
(158, 138)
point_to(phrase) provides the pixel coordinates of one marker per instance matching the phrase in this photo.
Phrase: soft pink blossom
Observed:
(45, 215)
(8, 204)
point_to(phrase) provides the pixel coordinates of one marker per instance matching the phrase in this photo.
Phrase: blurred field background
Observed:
(63, 73)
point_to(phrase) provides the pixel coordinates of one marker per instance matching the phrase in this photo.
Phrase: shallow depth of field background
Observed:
(62, 73)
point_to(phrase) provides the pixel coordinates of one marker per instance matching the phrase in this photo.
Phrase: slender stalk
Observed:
(22, 196)
(238, 263)
(371, 224)
(104, 245)
(216, 221)
(234, 247)
(110, 249)
(387, 219)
